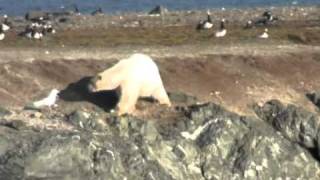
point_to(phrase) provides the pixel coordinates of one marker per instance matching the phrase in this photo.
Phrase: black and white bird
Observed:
(6, 25)
(205, 24)
(76, 10)
(37, 34)
(32, 32)
(97, 12)
(266, 19)
(249, 24)
(49, 101)
(264, 35)
(268, 15)
(48, 28)
(222, 31)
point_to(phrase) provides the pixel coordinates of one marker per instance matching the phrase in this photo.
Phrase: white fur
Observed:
(48, 101)
(138, 76)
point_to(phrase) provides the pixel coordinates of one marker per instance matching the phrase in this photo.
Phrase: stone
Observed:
(85, 121)
(178, 97)
(158, 10)
(4, 112)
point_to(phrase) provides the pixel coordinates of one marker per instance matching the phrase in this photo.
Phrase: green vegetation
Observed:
(168, 36)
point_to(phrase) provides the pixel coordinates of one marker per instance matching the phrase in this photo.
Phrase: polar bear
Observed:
(137, 76)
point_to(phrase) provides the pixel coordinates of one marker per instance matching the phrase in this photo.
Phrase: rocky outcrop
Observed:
(206, 142)
(4, 112)
(294, 123)
(314, 97)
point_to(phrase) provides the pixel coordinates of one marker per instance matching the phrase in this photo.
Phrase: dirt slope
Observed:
(235, 81)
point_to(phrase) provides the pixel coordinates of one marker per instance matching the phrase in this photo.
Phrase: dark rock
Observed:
(64, 20)
(158, 10)
(179, 97)
(296, 124)
(35, 15)
(206, 142)
(4, 112)
(84, 120)
(314, 97)
(14, 124)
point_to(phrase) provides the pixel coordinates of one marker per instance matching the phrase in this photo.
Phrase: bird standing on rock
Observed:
(49, 101)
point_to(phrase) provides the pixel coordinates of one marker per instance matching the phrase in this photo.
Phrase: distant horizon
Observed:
(122, 6)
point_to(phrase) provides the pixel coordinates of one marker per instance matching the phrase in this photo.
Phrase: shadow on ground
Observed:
(78, 91)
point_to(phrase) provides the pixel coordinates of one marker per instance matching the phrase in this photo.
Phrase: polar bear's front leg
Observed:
(161, 95)
(128, 99)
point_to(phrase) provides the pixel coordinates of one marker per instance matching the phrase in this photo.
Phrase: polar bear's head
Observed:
(100, 83)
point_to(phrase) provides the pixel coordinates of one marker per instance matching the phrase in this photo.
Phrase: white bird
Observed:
(223, 31)
(264, 35)
(49, 101)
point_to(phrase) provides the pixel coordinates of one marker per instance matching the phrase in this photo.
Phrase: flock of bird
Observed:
(40, 27)
(266, 19)
(37, 29)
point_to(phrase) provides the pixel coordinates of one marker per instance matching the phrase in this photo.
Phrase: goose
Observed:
(5, 26)
(51, 30)
(223, 31)
(264, 35)
(97, 12)
(266, 19)
(36, 34)
(206, 24)
(249, 24)
(33, 33)
(48, 29)
(268, 15)
(76, 10)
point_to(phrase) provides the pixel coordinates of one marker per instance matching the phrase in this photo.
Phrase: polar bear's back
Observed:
(140, 65)
(142, 70)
